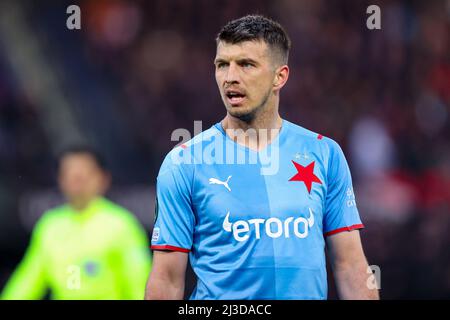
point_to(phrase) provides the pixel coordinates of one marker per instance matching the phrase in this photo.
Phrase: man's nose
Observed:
(232, 75)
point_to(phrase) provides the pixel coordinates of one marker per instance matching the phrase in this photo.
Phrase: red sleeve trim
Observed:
(353, 227)
(168, 247)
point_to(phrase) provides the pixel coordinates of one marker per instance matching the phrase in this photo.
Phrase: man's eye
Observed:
(221, 65)
(247, 65)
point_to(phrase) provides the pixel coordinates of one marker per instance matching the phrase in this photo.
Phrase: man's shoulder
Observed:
(303, 133)
(186, 152)
(52, 218)
(298, 130)
(114, 211)
(57, 213)
(314, 138)
(203, 137)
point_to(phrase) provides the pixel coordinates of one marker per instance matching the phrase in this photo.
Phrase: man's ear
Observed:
(107, 179)
(59, 179)
(281, 77)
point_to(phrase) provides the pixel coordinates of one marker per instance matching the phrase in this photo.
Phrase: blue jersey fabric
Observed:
(254, 223)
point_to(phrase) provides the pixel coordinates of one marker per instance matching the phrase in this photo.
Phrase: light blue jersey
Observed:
(254, 223)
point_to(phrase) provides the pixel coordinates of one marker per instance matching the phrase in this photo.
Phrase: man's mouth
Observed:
(235, 97)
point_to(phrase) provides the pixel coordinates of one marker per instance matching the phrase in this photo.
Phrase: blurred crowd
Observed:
(384, 95)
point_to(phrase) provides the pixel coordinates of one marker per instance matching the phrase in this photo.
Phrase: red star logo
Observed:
(305, 174)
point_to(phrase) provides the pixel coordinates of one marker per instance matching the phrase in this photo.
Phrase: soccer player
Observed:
(256, 227)
(89, 248)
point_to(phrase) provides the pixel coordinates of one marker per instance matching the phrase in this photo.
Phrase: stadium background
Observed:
(137, 70)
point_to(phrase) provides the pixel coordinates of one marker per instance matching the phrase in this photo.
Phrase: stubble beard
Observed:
(250, 116)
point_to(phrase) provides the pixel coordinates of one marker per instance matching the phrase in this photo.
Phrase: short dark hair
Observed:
(257, 27)
(83, 149)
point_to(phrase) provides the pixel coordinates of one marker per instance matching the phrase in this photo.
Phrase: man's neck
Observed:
(79, 205)
(257, 133)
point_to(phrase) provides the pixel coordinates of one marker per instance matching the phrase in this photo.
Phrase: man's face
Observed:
(245, 74)
(80, 178)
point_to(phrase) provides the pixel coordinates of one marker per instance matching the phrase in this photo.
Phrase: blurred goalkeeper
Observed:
(89, 248)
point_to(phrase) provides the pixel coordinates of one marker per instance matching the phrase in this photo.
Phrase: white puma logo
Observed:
(217, 181)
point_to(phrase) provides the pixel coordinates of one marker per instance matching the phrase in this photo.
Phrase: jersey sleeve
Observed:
(341, 212)
(174, 216)
(29, 281)
(133, 261)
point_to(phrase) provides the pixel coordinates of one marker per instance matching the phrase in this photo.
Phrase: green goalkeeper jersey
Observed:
(99, 253)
